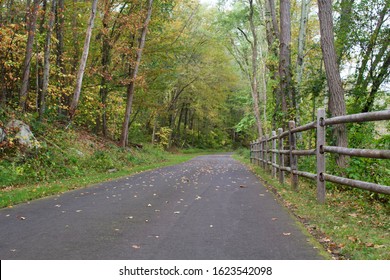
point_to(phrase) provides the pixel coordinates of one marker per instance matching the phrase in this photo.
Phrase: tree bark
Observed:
(254, 81)
(83, 62)
(285, 57)
(131, 87)
(274, 19)
(301, 49)
(64, 98)
(31, 19)
(336, 103)
(46, 60)
(105, 62)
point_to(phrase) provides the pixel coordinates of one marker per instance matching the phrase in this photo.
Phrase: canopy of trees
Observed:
(177, 73)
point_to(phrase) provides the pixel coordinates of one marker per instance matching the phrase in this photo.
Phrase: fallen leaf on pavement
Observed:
(286, 233)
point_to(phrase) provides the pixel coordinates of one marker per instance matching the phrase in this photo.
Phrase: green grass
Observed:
(27, 192)
(350, 225)
(70, 159)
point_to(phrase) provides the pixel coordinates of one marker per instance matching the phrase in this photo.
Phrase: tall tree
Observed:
(254, 79)
(301, 49)
(83, 62)
(336, 105)
(59, 27)
(285, 58)
(131, 86)
(31, 28)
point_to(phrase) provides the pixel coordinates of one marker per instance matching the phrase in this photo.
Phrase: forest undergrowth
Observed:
(71, 158)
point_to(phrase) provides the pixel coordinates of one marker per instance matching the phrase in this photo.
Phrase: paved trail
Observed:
(211, 207)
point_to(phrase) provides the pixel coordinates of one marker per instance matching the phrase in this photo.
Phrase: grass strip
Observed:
(13, 196)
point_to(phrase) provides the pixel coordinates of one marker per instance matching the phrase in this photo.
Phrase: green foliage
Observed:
(62, 155)
(163, 136)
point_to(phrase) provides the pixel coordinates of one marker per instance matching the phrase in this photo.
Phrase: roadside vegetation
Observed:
(352, 224)
(71, 158)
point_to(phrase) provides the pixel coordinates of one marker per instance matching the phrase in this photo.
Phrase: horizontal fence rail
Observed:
(271, 153)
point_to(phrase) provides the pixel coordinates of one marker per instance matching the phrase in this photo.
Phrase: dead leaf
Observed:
(286, 233)
(379, 246)
(352, 238)
(369, 244)
(136, 246)
(354, 215)
(242, 186)
(274, 219)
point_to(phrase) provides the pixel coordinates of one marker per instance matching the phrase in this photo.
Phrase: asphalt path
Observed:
(211, 207)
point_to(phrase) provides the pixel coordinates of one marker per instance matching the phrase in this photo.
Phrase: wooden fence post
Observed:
(293, 158)
(266, 152)
(251, 152)
(320, 155)
(273, 154)
(281, 156)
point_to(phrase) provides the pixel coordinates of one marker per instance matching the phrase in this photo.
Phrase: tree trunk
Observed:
(301, 49)
(254, 81)
(272, 36)
(285, 58)
(83, 62)
(32, 19)
(336, 103)
(46, 60)
(275, 24)
(105, 62)
(64, 98)
(39, 61)
(130, 90)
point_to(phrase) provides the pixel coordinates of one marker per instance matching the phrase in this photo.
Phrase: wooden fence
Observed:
(269, 152)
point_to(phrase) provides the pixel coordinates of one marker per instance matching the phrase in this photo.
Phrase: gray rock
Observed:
(23, 134)
(2, 135)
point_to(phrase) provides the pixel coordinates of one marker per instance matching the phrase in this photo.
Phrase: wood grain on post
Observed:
(281, 156)
(320, 155)
(273, 154)
(293, 158)
(265, 162)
